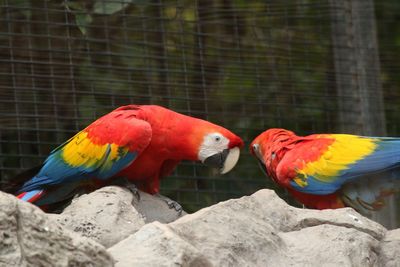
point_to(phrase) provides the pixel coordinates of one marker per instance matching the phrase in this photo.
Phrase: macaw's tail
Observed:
(49, 198)
(37, 197)
(13, 185)
(31, 196)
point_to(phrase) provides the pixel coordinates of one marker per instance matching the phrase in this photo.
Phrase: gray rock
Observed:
(171, 249)
(259, 230)
(330, 245)
(390, 249)
(29, 238)
(112, 213)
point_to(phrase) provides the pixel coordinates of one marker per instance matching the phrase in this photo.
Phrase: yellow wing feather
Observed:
(80, 151)
(344, 151)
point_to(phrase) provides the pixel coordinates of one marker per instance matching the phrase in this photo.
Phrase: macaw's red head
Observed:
(187, 138)
(267, 147)
(216, 146)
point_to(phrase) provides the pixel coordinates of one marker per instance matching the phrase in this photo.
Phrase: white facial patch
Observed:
(212, 144)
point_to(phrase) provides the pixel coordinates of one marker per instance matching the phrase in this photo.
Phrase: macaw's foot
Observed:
(134, 190)
(171, 203)
(123, 182)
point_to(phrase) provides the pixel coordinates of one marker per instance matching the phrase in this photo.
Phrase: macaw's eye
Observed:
(255, 147)
(217, 138)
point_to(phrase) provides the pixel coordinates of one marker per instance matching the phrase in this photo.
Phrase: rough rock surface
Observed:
(112, 213)
(261, 230)
(29, 238)
(390, 249)
(257, 230)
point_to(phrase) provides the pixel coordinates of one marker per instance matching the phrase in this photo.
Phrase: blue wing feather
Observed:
(56, 171)
(383, 162)
(385, 156)
(100, 151)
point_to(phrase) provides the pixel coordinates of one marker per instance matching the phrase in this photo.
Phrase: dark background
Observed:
(309, 66)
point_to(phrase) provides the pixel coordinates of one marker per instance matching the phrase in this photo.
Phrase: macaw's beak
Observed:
(223, 161)
(256, 151)
(262, 166)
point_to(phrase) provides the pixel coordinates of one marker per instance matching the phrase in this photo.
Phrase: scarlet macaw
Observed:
(331, 170)
(140, 143)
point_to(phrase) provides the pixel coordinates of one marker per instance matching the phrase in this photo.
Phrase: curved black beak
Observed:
(224, 161)
(217, 160)
(264, 169)
(258, 156)
(262, 166)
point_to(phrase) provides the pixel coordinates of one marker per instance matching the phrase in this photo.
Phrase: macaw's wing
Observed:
(322, 164)
(99, 151)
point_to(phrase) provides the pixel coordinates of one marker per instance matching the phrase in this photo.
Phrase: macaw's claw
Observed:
(171, 203)
(134, 190)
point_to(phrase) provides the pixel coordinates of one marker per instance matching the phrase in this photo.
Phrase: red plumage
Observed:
(273, 148)
(331, 170)
(139, 143)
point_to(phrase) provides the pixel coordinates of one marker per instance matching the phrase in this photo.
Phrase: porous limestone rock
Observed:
(29, 238)
(257, 230)
(112, 213)
(390, 249)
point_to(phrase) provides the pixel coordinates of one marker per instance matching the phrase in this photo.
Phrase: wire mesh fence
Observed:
(247, 65)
